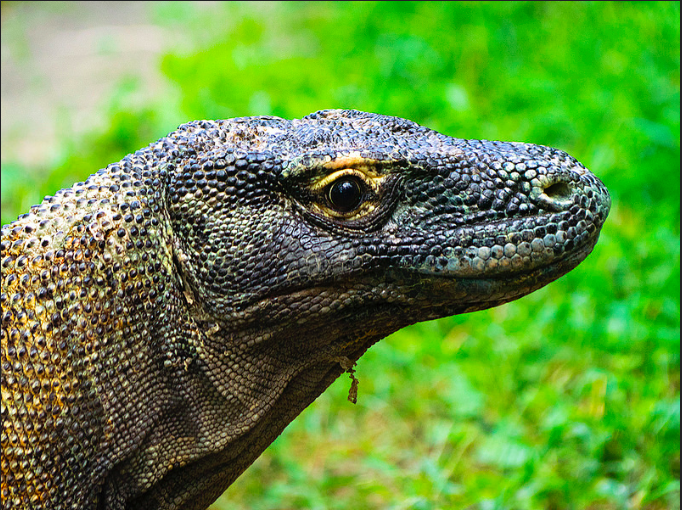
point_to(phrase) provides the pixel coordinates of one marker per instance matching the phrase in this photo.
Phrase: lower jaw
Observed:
(457, 294)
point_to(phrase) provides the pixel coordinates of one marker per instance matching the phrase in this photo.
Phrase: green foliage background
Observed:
(566, 399)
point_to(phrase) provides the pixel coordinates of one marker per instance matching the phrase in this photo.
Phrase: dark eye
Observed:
(345, 194)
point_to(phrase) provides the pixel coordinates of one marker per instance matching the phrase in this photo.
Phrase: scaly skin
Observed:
(165, 320)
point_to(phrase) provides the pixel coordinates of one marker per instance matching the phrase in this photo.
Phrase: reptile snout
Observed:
(570, 185)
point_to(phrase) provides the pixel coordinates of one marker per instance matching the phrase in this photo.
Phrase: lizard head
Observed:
(192, 299)
(350, 217)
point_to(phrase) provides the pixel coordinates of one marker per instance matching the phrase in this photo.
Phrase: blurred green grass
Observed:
(566, 399)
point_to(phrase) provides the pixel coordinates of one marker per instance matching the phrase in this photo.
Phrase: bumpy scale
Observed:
(163, 321)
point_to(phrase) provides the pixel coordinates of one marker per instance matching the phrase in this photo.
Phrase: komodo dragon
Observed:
(163, 321)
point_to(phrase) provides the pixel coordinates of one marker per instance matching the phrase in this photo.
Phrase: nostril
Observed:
(558, 196)
(558, 191)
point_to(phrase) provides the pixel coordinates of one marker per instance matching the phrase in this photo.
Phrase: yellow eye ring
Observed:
(346, 194)
(370, 181)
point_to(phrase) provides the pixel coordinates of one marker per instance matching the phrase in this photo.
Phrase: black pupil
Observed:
(345, 195)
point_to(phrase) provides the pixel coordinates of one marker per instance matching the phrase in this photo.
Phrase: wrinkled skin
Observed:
(165, 320)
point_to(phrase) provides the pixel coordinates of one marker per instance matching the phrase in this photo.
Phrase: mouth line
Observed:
(546, 269)
(447, 294)
(552, 270)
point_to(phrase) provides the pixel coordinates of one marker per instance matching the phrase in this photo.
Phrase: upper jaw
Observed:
(513, 246)
(559, 220)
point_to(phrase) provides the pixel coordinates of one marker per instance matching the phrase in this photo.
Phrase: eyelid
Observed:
(370, 181)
